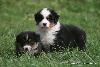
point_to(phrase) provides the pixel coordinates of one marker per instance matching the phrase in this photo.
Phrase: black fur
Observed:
(53, 17)
(70, 37)
(38, 17)
(21, 41)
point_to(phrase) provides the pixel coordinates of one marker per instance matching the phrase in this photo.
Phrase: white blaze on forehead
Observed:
(45, 12)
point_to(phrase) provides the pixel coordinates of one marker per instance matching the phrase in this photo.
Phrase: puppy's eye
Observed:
(48, 18)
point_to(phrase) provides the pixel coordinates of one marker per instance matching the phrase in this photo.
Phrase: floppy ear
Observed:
(18, 38)
(56, 16)
(36, 16)
(18, 50)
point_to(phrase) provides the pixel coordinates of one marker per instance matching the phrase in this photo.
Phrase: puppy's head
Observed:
(46, 18)
(27, 41)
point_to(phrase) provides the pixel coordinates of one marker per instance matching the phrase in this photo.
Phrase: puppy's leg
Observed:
(18, 51)
(39, 49)
(81, 42)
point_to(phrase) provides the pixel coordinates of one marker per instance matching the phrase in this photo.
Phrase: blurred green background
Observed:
(18, 15)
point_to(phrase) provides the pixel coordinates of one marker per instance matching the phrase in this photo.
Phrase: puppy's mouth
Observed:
(44, 27)
(50, 26)
(31, 49)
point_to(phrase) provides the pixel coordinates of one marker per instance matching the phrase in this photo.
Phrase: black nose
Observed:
(44, 24)
(26, 49)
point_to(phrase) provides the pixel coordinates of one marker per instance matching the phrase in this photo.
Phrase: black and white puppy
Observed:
(57, 36)
(28, 41)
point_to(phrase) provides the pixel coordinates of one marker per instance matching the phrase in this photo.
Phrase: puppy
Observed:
(57, 36)
(28, 42)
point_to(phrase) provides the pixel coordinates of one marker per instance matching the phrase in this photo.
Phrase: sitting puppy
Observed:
(28, 41)
(57, 36)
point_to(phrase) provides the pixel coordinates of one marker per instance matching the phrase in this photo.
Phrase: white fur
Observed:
(44, 21)
(45, 13)
(48, 35)
(28, 47)
(31, 49)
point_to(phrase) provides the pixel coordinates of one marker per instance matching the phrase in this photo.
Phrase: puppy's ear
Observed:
(56, 16)
(37, 16)
(18, 49)
(18, 38)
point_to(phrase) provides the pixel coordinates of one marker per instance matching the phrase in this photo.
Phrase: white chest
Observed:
(48, 38)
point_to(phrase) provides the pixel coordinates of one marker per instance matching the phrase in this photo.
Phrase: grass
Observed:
(17, 16)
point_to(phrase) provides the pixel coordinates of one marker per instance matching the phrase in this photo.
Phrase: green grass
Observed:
(17, 16)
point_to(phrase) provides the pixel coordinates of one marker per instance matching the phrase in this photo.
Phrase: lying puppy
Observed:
(28, 41)
(57, 36)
